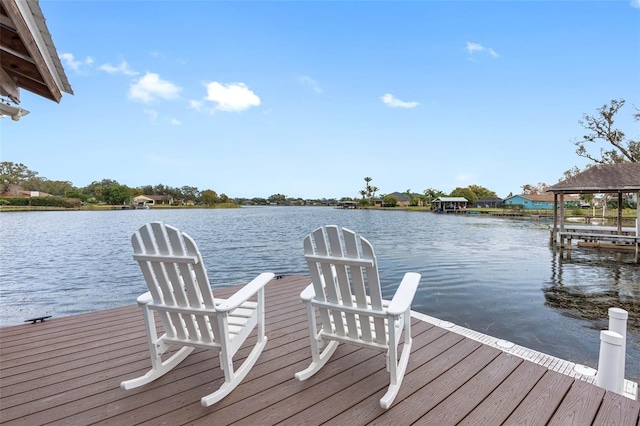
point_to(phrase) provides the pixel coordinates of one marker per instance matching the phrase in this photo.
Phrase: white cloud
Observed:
(175, 122)
(76, 65)
(151, 113)
(635, 3)
(122, 68)
(231, 97)
(312, 83)
(393, 102)
(476, 47)
(150, 87)
(197, 105)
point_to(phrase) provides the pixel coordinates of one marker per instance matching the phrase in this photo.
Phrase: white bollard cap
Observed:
(618, 313)
(611, 337)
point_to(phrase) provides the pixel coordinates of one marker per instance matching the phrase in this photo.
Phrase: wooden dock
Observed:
(608, 237)
(67, 371)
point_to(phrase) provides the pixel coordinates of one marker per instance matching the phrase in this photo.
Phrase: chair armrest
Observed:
(242, 295)
(144, 298)
(308, 293)
(401, 301)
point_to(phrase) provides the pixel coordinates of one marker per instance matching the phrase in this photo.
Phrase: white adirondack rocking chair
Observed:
(180, 294)
(345, 291)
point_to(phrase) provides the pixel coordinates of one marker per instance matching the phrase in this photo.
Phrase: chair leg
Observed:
(397, 368)
(232, 380)
(156, 347)
(392, 392)
(318, 360)
(159, 369)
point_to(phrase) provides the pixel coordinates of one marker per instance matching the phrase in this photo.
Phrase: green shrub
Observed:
(42, 201)
(18, 201)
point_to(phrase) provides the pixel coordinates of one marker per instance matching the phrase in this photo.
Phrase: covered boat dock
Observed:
(598, 179)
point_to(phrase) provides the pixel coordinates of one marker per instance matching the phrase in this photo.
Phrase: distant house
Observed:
(142, 200)
(449, 203)
(161, 199)
(151, 200)
(12, 190)
(404, 200)
(537, 201)
(488, 202)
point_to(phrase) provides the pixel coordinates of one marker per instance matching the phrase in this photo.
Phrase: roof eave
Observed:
(30, 23)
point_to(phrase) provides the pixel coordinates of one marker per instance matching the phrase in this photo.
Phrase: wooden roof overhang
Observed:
(28, 57)
(598, 179)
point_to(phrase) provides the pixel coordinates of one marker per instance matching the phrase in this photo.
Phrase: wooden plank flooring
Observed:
(67, 371)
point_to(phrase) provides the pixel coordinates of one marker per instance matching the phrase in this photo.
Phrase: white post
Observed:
(618, 324)
(608, 363)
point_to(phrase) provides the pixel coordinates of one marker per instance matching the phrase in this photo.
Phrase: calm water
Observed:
(497, 276)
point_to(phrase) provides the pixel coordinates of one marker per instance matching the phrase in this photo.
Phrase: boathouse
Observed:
(616, 179)
(449, 203)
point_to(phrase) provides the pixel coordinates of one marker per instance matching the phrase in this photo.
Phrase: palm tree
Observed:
(363, 193)
(374, 189)
(367, 189)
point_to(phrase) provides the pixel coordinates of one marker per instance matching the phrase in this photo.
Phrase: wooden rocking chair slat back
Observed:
(340, 277)
(178, 279)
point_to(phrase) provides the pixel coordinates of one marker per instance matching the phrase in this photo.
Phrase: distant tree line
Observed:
(107, 191)
(110, 191)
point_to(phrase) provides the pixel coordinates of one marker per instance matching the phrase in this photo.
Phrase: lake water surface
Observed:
(497, 276)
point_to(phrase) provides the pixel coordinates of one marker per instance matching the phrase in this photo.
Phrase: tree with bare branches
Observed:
(617, 147)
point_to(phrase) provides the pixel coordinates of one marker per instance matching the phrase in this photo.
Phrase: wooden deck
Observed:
(67, 371)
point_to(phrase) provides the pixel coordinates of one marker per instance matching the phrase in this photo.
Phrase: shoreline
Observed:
(628, 216)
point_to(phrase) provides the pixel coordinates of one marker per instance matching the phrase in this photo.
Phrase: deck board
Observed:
(67, 371)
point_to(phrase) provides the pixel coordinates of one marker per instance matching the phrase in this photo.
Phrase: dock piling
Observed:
(609, 360)
(618, 324)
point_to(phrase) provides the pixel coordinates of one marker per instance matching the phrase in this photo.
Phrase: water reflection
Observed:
(587, 293)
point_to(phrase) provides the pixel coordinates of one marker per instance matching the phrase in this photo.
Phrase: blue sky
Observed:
(307, 98)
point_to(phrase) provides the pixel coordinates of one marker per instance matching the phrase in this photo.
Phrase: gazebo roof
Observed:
(602, 178)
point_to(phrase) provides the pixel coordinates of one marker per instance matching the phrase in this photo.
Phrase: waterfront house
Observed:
(12, 190)
(142, 200)
(152, 199)
(537, 201)
(404, 200)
